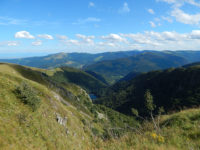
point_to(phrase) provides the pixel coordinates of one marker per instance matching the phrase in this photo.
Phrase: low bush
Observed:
(28, 95)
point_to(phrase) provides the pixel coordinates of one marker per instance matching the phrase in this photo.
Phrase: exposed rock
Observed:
(67, 131)
(74, 134)
(101, 116)
(60, 120)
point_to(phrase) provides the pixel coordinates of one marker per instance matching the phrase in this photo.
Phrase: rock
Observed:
(60, 120)
(101, 116)
(74, 134)
(67, 131)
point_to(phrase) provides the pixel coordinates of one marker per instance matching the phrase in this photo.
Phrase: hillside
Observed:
(77, 60)
(178, 131)
(190, 56)
(173, 89)
(66, 75)
(64, 116)
(112, 65)
(113, 70)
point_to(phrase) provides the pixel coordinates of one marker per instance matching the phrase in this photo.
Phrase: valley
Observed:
(50, 107)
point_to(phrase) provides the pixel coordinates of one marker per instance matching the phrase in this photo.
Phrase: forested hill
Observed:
(173, 89)
(113, 70)
(77, 60)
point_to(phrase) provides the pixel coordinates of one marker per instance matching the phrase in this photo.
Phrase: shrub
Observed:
(95, 131)
(28, 95)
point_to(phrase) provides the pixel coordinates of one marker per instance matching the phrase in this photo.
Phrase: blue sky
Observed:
(39, 27)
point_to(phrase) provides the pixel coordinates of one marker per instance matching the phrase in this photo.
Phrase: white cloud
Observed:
(85, 39)
(62, 37)
(11, 21)
(72, 42)
(195, 34)
(179, 3)
(125, 8)
(168, 19)
(45, 36)
(24, 34)
(37, 43)
(180, 15)
(186, 18)
(140, 38)
(106, 44)
(91, 4)
(9, 43)
(82, 40)
(148, 40)
(87, 20)
(151, 11)
(114, 38)
(153, 25)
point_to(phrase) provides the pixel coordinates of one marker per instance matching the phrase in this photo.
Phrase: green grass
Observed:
(21, 128)
(179, 131)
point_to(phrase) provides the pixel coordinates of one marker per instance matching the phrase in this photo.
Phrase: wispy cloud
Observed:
(37, 43)
(45, 36)
(11, 21)
(167, 40)
(151, 11)
(114, 38)
(61, 37)
(179, 3)
(153, 25)
(9, 43)
(87, 20)
(180, 15)
(86, 39)
(168, 19)
(124, 9)
(91, 4)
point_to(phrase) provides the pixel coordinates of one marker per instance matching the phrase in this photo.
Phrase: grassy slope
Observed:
(20, 128)
(179, 131)
(67, 75)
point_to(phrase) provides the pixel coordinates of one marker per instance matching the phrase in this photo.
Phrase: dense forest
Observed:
(174, 89)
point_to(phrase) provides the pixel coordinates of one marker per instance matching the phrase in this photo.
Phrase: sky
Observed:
(40, 27)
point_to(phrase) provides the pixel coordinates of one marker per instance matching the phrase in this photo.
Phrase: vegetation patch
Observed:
(28, 95)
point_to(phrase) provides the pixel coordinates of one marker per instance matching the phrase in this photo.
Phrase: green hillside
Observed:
(112, 65)
(77, 60)
(64, 117)
(113, 70)
(179, 131)
(173, 89)
(65, 75)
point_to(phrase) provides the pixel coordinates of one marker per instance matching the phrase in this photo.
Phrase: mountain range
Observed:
(52, 109)
(113, 66)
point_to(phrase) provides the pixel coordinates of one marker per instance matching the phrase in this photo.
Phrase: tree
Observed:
(151, 107)
(135, 112)
(149, 101)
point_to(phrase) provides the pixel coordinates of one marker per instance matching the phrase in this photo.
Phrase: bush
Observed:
(95, 132)
(28, 95)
